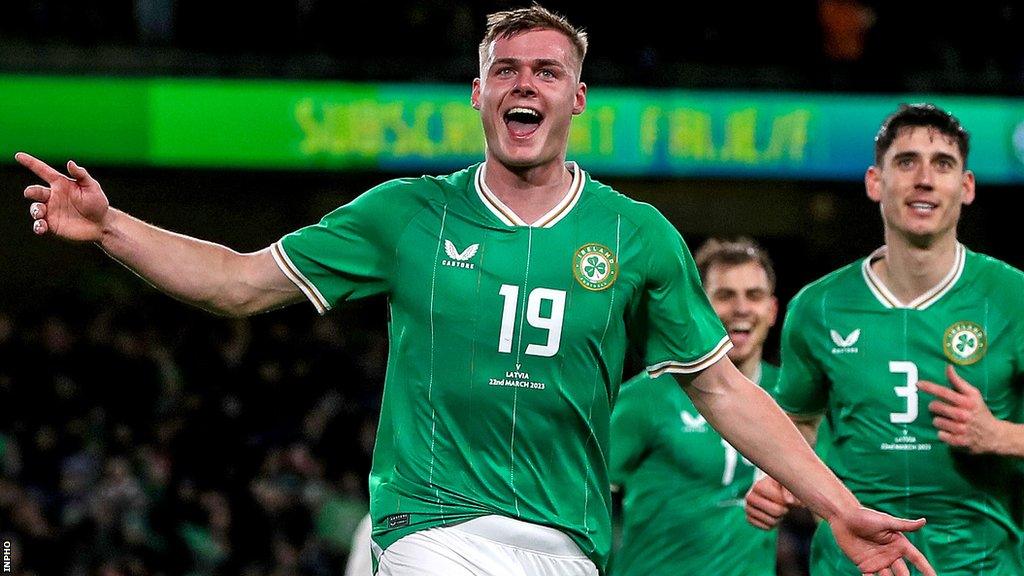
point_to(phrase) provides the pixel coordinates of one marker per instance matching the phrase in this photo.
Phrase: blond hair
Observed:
(508, 23)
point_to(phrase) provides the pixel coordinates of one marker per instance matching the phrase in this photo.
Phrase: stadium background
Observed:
(138, 436)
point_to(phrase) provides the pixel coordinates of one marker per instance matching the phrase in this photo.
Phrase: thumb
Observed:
(787, 496)
(79, 174)
(904, 525)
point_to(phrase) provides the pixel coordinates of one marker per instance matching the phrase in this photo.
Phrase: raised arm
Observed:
(750, 421)
(201, 273)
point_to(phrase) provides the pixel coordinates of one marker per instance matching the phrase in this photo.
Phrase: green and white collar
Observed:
(554, 216)
(932, 295)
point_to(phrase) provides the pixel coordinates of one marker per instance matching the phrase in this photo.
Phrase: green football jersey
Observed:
(507, 342)
(852, 351)
(684, 487)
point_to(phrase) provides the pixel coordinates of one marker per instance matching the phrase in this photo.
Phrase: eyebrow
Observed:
(538, 63)
(936, 156)
(730, 290)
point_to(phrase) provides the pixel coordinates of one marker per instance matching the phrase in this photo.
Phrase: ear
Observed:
(580, 102)
(474, 96)
(968, 184)
(773, 311)
(873, 183)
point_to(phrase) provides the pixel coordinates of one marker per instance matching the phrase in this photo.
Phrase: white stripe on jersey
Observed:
(930, 296)
(292, 272)
(673, 366)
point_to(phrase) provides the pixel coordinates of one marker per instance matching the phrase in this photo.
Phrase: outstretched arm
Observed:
(964, 420)
(767, 501)
(750, 421)
(201, 273)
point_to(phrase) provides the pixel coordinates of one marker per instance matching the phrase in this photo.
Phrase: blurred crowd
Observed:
(845, 45)
(147, 439)
(140, 437)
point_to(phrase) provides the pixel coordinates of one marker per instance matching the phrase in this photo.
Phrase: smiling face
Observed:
(527, 94)
(741, 295)
(920, 185)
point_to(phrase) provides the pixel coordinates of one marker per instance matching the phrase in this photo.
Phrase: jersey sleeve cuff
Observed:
(677, 367)
(292, 272)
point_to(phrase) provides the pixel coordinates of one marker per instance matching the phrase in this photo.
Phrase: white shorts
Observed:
(359, 562)
(486, 546)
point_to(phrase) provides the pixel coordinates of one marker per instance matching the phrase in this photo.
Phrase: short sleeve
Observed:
(349, 254)
(1018, 320)
(680, 331)
(630, 428)
(802, 387)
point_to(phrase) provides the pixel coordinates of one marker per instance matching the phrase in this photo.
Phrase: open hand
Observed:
(961, 415)
(874, 541)
(69, 207)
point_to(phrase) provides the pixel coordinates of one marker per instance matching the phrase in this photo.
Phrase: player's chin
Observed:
(523, 157)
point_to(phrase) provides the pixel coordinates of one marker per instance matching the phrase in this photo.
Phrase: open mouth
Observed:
(739, 331)
(523, 122)
(922, 207)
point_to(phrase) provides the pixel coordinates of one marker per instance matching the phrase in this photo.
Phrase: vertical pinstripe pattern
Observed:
(904, 339)
(984, 388)
(430, 382)
(524, 294)
(519, 349)
(512, 453)
(597, 379)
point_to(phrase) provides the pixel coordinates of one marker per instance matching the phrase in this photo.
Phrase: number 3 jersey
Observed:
(852, 351)
(507, 342)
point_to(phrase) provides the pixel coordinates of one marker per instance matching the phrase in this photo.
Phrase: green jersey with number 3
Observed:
(507, 342)
(684, 487)
(852, 351)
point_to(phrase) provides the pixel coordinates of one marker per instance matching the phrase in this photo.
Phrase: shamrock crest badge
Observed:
(964, 343)
(595, 266)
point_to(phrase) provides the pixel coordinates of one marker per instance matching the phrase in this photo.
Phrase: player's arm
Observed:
(964, 420)
(752, 422)
(201, 273)
(748, 418)
(808, 426)
(768, 501)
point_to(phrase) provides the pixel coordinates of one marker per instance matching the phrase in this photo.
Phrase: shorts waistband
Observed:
(526, 535)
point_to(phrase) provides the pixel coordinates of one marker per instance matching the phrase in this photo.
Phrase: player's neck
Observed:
(908, 270)
(529, 192)
(751, 367)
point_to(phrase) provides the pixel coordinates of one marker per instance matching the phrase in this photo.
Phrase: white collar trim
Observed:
(553, 216)
(932, 295)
